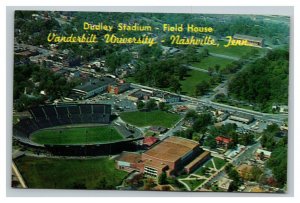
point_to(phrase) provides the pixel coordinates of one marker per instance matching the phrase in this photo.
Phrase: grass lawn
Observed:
(64, 173)
(235, 51)
(209, 164)
(211, 61)
(189, 83)
(76, 135)
(219, 162)
(201, 171)
(152, 118)
(194, 183)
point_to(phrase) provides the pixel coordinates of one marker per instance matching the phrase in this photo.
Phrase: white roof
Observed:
(266, 153)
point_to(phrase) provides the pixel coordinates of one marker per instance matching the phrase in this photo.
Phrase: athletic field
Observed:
(76, 135)
(96, 173)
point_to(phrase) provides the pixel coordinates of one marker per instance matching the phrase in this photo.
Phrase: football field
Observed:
(76, 135)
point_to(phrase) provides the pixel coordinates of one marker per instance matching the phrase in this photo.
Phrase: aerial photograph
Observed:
(150, 101)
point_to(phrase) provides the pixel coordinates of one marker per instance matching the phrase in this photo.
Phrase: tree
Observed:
(256, 174)
(202, 88)
(140, 105)
(247, 139)
(103, 184)
(191, 114)
(202, 122)
(175, 85)
(205, 53)
(162, 106)
(162, 178)
(217, 68)
(233, 186)
(79, 185)
(148, 184)
(182, 71)
(210, 142)
(264, 81)
(151, 105)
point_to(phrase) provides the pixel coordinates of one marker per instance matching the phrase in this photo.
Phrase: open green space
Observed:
(202, 171)
(69, 173)
(152, 118)
(193, 184)
(219, 163)
(235, 51)
(76, 135)
(188, 85)
(212, 61)
(209, 164)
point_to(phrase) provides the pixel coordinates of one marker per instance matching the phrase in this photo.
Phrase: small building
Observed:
(224, 183)
(260, 153)
(75, 73)
(149, 141)
(166, 97)
(223, 141)
(158, 129)
(251, 41)
(129, 161)
(118, 88)
(243, 118)
(181, 108)
(140, 95)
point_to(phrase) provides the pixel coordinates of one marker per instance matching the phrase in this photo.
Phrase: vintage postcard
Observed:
(150, 101)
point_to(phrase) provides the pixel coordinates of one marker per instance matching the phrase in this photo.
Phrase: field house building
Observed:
(170, 155)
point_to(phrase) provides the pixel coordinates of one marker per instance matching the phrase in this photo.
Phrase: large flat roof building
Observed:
(93, 87)
(170, 155)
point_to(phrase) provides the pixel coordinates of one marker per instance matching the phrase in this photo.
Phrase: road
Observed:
(18, 175)
(246, 155)
(224, 56)
(196, 69)
(277, 118)
(172, 130)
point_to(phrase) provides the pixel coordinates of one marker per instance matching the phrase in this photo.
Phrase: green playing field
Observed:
(76, 135)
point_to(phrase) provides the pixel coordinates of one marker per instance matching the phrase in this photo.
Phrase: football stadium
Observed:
(74, 129)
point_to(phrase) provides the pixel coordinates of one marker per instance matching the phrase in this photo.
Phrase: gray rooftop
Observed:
(94, 84)
(247, 37)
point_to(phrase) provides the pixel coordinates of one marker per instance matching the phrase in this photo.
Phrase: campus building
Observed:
(240, 117)
(93, 87)
(170, 155)
(118, 88)
(253, 41)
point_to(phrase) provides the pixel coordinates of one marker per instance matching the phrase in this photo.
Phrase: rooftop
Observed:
(129, 157)
(94, 84)
(140, 94)
(223, 139)
(265, 152)
(247, 37)
(172, 148)
(198, 159)
(160, 166)
(150, 141)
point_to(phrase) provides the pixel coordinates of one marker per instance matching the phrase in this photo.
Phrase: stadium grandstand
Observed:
(55, 115)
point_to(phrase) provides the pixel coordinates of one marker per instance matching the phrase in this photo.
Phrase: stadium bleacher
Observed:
(52, 115)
